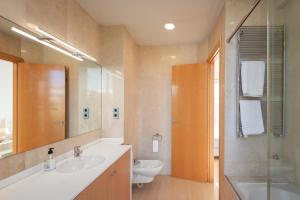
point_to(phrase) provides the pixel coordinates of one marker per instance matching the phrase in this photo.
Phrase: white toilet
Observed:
(144, 171)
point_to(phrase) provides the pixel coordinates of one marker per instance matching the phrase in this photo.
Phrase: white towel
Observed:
(251, 117)
(253, 78)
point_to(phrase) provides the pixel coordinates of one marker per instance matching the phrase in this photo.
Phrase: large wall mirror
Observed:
(47, 93)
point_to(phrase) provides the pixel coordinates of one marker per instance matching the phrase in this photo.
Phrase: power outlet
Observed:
(116, 113)
(86, 113)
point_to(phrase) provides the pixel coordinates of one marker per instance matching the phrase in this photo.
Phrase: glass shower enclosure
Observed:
(270, 160)
(283, 89)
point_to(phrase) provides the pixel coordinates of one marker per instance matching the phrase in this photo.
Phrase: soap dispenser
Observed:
(50, 163)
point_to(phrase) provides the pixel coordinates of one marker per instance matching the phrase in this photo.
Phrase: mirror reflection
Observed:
(45, 95)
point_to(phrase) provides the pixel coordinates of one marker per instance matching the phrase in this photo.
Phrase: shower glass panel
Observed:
(284, 89)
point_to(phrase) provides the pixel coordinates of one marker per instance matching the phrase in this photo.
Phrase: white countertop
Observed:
(58, 186)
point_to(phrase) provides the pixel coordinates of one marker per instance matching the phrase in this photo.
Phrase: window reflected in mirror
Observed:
(6, 107)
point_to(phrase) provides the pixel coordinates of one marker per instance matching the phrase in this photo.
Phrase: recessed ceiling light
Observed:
(170, 26)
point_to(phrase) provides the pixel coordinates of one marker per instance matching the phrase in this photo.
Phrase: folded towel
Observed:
(253, 78)
(251, 117)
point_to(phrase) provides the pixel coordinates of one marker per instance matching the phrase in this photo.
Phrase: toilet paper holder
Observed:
(157, 136)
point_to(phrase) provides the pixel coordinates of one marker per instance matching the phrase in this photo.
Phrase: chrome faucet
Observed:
(77, 151)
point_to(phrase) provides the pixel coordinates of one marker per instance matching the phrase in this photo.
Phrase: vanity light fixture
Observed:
(170, 26)
(45, 43)
(63, 43)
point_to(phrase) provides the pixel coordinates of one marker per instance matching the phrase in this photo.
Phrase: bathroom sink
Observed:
(81, 163)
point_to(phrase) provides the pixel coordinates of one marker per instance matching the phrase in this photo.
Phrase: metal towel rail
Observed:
(253, 46)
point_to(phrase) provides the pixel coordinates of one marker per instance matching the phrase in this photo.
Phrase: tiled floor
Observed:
(169, 188)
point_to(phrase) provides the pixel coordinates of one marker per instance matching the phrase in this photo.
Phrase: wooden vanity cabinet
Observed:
(113, 184)
(121, 179)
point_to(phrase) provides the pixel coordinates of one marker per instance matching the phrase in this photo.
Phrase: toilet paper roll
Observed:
(155, 146)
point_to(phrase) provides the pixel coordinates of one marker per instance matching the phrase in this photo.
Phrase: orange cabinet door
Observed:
(41, 105)
(121, 178)
(113, 184)
(100, 189)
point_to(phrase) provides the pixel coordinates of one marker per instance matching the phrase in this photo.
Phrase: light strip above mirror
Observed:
(45, 43)
(44, 33)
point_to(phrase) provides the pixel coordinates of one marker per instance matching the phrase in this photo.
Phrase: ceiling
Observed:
(145, 19)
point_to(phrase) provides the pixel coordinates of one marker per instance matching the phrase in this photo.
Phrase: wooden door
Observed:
(121, 179)
(41, 105)
(190, 122)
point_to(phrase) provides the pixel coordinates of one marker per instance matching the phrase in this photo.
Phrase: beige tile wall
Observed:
(121, 63)
(215, 37)
(9, 44)
(291, 145)
(65, 19)
(243, 157)
(112, 97)
(113, 83)
(131, 67)
(288, 14)
(203, 50)
(154, 97)
(89, 96)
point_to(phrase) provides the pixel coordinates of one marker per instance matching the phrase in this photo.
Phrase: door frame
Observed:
(219, 48)
(15, 60)
(210, 65)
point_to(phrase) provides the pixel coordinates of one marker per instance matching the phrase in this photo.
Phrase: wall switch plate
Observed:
(116, 113)
(86, 113)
